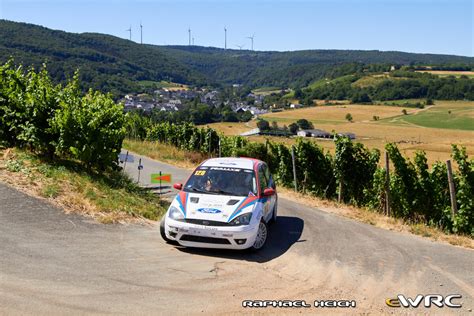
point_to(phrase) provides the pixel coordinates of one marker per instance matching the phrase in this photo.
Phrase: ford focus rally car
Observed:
(225, 203)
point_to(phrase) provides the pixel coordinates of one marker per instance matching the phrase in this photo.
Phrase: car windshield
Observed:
(225, 181)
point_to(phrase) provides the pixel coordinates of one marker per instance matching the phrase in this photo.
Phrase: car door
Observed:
(264, 184)
(271, 184)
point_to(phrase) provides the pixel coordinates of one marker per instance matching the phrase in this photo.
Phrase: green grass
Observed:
(266, 89)
(108, 195)
(445, 117)
(327, 81)
(159, 84)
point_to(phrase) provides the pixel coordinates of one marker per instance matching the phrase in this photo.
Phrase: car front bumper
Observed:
(224, 237)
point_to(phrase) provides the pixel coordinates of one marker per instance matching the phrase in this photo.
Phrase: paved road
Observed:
(51, 262)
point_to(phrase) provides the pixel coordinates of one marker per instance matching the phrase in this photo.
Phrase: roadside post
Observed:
(140, 167)
(219, 147)
(294, 166)
(125, 162)
(452, 189)
(124, 158)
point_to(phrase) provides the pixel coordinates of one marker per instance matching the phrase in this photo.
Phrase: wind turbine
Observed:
(141, 33)
(225, 37)
(240, 46)
(130, 31)
(189, 36)
(251, 38)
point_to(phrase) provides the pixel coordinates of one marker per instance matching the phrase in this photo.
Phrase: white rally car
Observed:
(225, 203)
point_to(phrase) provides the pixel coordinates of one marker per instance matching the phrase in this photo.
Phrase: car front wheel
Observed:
(261, 238)
(162, 231)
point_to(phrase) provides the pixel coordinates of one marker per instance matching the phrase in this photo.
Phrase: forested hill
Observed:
(295, 68)
(114, 64)
(106, 62)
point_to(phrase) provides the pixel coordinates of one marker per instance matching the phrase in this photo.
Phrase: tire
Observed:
(162, 231)
(262, 236)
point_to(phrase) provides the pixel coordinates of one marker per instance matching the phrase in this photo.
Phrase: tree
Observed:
(293, 127)
(429, 101)
(298, 94)
(360, 97)
(245, 117)
(308, 101)
(263, 125)
(304, 124)
(404, 111)
(349, 117)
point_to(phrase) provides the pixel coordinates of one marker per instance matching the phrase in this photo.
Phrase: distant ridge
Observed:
(116, 65)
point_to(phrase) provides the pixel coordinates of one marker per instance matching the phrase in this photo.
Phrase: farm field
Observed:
(163, 84)
(422, 129)
(446, 73)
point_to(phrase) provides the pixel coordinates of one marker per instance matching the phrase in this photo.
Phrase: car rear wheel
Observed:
(261, 238)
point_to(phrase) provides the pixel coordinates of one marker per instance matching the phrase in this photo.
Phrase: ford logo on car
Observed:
(209, 210)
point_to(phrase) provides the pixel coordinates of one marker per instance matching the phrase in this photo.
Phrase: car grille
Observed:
(205, 222)
(208, 240)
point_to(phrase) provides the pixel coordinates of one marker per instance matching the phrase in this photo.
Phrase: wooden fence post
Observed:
(294, 166)
(387, 184)
(452, 189)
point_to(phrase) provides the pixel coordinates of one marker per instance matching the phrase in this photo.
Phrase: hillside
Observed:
(105, 62)
(113, 64)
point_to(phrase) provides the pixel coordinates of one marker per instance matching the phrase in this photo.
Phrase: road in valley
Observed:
(57, 263)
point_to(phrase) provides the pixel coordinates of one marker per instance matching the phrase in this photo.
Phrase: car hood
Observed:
(221, 208)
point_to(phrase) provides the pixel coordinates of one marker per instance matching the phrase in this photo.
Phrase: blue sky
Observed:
(423, 26)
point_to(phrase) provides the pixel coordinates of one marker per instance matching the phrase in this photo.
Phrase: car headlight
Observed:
(175, 214)
(242, 219)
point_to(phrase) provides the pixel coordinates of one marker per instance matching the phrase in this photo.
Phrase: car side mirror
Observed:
(269, 192)
(178, 186)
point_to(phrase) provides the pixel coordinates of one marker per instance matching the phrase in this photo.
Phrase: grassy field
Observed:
(163, 84)
(446, 115)
(335, 114)
(431, 129)
(107, 196)
(266, 90)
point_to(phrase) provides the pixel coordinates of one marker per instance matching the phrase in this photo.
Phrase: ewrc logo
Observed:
(430, 299)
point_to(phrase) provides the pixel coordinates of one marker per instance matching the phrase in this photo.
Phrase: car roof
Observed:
(231, 162)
